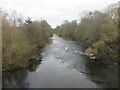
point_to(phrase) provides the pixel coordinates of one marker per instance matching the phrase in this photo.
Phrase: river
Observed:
(64, 65)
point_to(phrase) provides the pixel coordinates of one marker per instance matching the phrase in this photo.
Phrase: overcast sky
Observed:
(54, 11)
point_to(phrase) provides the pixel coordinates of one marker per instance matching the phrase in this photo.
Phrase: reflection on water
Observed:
(15, 80)
(33, 66)
(19, 79)
(64, 66)
(102, 73)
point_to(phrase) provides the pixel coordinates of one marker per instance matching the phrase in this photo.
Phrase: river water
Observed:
(64, 65)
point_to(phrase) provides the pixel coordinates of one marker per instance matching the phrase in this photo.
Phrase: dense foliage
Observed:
(97, 29)
(21, 39)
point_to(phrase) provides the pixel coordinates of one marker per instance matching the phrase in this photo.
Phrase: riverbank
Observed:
(102, 49)
(89, 49)
(24, 62)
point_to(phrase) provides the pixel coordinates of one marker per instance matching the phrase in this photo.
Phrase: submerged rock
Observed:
(66, 48)
(93, 58)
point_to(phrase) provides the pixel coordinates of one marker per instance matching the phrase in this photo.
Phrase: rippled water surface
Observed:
(64, 65)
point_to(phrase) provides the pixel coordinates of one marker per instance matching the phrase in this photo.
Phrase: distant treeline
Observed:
(21, 39)
(98, 29)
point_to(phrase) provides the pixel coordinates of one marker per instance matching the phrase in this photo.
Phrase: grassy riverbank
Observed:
(97, 29)
(22, 40)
